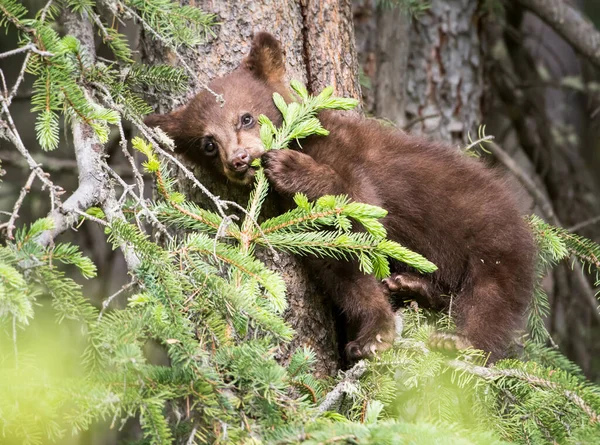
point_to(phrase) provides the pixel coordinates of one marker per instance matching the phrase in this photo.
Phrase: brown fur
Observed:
(441, 204)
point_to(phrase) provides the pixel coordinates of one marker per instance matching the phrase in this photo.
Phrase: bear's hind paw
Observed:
(446, 342)
(368, 348)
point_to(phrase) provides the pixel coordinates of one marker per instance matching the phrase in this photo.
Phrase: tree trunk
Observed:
(318, 40)
(425, 72)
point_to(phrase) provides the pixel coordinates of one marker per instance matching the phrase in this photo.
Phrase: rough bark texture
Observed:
(382, 37)
(318, 40)
(444, 72)
(328, 46)
(425, 72)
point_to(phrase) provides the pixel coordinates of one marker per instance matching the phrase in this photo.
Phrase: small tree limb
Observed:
(336, 394)
(95, 187)
(567, 21)
(534, 191)
(10, 225)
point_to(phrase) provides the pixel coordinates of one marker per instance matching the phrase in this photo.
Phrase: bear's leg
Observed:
(488, 314)
(364, 302)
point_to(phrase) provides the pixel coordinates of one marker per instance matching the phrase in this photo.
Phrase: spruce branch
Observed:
(170, 41)
(94, 186)
(288, 231)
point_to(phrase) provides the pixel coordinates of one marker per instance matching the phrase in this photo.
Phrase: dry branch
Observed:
(586, 292)
(335, 395)
(567, 21)
(538, 196)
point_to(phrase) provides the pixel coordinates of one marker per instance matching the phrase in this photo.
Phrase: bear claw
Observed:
(358, 349)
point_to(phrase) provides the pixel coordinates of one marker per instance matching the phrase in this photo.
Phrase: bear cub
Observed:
(442, 204)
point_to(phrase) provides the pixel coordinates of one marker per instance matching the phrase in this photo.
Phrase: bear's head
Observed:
(226, 135)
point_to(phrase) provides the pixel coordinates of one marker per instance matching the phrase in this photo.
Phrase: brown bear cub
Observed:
(442, 204)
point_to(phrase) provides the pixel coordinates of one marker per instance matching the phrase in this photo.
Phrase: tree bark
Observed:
(318, 40)
(425, 72)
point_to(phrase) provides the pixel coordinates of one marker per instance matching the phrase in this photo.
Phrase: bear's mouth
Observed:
(241, 177)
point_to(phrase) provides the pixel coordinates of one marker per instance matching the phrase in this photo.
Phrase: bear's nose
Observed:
(240, 160)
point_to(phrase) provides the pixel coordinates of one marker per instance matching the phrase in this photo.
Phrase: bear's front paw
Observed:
(368, 346)
(407, 282)
(284, 169)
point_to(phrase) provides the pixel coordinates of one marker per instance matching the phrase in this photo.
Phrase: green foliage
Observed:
(69, 83)
(299, 118)
(13, 12)
(413, 394)
(19, 288)
(556, 244)
(207, 302)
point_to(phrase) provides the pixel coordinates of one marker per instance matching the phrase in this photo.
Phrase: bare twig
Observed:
(12, 135)
(585, 290)
(10, 225)
(29, 47)
(191, 439)
(582, 224)
(4, 87)
(478, 142)
(416, 120)
(45, 10)
(20, 77)
(123, 142)
(140, 201)
(109, 300)
(529, 185)
(52, 164)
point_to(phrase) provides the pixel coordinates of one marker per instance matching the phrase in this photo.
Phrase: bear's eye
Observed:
(247, 120)
(210, 147)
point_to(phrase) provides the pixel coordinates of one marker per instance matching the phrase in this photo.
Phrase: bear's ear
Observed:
(170, 123)
(265, 59)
